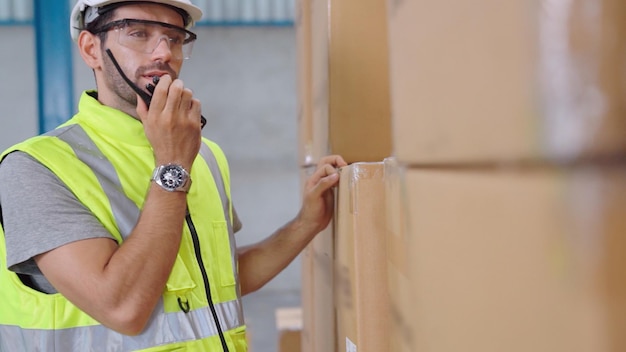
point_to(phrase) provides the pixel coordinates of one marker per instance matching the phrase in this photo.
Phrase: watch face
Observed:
(172, 176)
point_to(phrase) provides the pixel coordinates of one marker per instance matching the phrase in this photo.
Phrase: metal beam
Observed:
(54, 63)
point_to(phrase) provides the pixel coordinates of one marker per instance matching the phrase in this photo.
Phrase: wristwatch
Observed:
(172, 178)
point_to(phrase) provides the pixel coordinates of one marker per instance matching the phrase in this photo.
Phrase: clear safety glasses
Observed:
(145, 36)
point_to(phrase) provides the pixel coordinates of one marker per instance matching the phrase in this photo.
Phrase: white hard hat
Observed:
(77, 18)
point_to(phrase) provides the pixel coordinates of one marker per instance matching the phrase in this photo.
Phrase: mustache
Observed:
(157, 66)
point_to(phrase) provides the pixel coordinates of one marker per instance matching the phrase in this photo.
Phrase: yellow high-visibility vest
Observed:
(104, 158)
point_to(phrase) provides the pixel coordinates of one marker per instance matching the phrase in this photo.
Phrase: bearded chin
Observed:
(123, 91)
(126, 95)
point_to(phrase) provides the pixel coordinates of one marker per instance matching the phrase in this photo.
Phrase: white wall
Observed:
(18, 89)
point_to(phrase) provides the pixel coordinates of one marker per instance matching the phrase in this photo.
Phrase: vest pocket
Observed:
(222, 251)
(239, 339)
(178, 287)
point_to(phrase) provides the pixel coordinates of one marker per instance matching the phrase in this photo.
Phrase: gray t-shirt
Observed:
(40, 214)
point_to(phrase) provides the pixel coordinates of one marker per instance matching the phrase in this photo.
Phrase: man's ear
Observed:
(90, 50)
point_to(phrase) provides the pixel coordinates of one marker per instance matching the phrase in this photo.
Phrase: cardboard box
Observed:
(397, 243)
(319, 329)
(492, 80)
(289, 326)
(306, 294)
(516, 260)
(289, 341)
(360, 260)
(344, 79)
(319, 77)
(306, 143)
(324, 318)
(359, 103)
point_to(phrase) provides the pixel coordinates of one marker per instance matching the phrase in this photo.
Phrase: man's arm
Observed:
(41, 214)
(261, 262)
(45, 220)
(120, 285)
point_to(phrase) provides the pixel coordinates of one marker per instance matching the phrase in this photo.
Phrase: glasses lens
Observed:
(146, 36)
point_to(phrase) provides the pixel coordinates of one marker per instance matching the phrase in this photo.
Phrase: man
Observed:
(118, 225)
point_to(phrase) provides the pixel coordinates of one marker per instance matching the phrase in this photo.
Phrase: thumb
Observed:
(325, 183)
(142, 108)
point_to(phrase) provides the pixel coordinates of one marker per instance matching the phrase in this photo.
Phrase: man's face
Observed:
(139, 66)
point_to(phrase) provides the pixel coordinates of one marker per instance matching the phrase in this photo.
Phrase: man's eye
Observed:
(137, 34)
(176, 38)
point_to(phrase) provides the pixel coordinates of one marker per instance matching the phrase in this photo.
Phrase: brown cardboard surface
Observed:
(325, 334)
(518, 261)
(397, 243)
(289, 326)
(306, 292)
(305, 96)
(494, 80)
(359, 103)
(289, 341)
(318, 303)
(319, 77)
(344, 80)
(360, 260)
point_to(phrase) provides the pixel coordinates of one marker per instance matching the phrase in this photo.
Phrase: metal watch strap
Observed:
(183, 187)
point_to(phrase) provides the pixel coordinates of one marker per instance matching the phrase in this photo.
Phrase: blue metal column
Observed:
(54, 63)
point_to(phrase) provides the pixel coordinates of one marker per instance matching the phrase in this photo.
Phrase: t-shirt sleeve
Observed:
(39, 212)
(237, 225)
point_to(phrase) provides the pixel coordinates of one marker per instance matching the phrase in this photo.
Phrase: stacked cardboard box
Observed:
(344, 108)
(344, 271)
(499, 81)
(400, 331)
(289, 326)
(497, 222)
(509, 130)
(518, 260)
(343, 80)
(361, 293)
(318, 303)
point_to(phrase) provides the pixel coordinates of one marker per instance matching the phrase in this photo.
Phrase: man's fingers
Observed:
(323, 179)
(195, 109)
(159, 97)
(173, 98)
(175, 95)
(185, 101)
(196, 106)
(142, 108)
(330, 170)
(334, 160)
(323, 171)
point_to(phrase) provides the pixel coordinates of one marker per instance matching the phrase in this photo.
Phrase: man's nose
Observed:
(162, 48)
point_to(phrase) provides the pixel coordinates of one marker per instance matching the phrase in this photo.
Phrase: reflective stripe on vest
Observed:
(125, 212)
(209, 157)
(162, 328)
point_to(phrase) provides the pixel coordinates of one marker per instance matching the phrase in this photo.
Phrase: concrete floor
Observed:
(245, 79)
